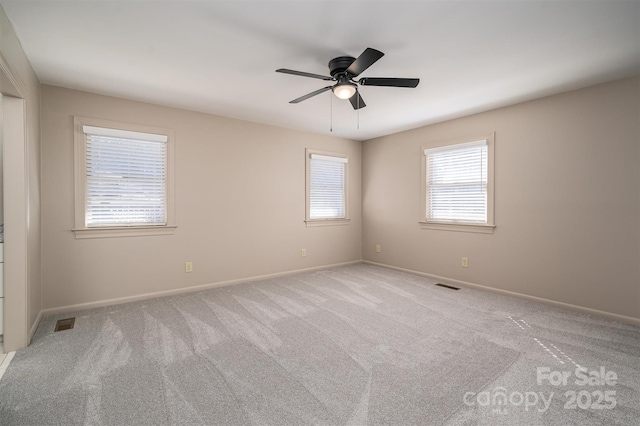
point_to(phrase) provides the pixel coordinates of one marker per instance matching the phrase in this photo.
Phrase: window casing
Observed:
(123, 179)
(457, 185)
(327, 188)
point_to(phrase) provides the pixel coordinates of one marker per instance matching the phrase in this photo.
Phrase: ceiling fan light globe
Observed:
(344, 91)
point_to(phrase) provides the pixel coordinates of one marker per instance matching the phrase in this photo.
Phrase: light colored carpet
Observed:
(358, 345)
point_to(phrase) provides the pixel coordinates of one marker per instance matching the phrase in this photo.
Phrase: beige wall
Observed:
(567, 203)
(567, 200)
(22, 253)
(240, 205)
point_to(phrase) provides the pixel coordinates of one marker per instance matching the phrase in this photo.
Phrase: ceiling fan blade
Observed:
(310, 95)
(304, 74)
(364, 61)
(356, 101)
(390, 82)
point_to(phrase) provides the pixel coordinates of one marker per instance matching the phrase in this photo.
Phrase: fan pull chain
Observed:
(331, 113)
(358, 111)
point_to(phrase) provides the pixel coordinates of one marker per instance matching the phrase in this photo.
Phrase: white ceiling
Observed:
(220, 56)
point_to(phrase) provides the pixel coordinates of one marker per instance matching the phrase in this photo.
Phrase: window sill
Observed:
(326, 222)
(459, 227)
(123, 231)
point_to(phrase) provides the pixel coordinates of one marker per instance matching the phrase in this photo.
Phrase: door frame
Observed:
(16, 208)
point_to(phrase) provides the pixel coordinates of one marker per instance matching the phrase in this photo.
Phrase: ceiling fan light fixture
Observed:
(344, 90)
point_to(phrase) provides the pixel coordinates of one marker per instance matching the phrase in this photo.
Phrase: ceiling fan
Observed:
(343, 70)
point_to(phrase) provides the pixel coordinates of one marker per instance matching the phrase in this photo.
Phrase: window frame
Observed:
(325, 221)
(484, 228)
(80, 229)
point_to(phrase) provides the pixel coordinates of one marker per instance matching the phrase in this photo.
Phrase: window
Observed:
(326, 188)
(123, 179)
(458, 185)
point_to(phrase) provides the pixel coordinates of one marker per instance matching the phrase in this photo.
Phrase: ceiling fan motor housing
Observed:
(340, 64)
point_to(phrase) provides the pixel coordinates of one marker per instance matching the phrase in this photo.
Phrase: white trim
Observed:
(128, 134)
(337, 159)
(326, 222)
(465, 145)
(10, 82)
(7, 359)
(5, 363)
(123, 231)
(128, 299)
(576, 308)
(16, 212)
(461, 227)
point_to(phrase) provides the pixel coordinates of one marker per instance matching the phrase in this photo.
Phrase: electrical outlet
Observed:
(188, 266)
(465, 262)
(378, 248)
(303, 252)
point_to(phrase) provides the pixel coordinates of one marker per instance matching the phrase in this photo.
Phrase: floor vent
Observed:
(65, 324)
(448, 286)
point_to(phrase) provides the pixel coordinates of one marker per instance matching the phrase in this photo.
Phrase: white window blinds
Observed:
(126, 178)
(327, 180)
(456, 177)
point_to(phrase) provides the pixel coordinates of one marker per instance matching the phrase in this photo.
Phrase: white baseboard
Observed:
(128, 299)
(582, 309)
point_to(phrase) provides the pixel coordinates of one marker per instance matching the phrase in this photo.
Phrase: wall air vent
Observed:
(65, 324)
(448, 286)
